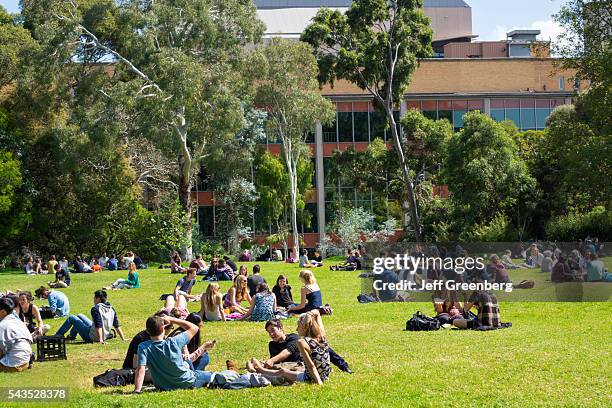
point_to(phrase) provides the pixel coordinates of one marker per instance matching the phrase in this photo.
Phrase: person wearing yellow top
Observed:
(51, 264)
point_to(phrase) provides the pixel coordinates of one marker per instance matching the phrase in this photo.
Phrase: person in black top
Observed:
(282, 291)
(30, 315)
(255, 280)
(284, 348)
(230, 263)
(62, 278)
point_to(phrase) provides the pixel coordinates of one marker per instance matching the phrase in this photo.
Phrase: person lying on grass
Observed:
(15, 339)
(313, 350)
(104, 319)
(185, 284)
(164, 358)
(284, 348)
(132, 281)
(176, 307)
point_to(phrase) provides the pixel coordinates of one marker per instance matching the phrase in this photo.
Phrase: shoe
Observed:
(348, 370)
(70, 338)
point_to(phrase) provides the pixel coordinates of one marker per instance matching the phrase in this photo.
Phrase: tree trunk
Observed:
(406, 175)
(184, 191)
(294, 229)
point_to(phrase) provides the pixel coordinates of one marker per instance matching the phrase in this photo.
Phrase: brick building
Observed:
(504, 79)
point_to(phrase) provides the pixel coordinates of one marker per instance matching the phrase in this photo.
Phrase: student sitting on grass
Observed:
(132, 281)
(224, 272)
(446, 305)
(243, 271)
(313, 350)
(211, 304)
(561, 271)
(175, 263)
(104, 319)
(62, 278)
(15, 339)
(547, 262)
(594, 267)
(199, 265)
(103, 260)
(284, 348)
(497, 270)
(130, 357)
(230, 263)
(195, 354)
(306, 263)
(310, 294)
(488, 311)
(29, 266)
(349, 265)
(51, 264)
(282, 291)
(185, 284)
(113, 263)
(507, 260)
(58, 301)
(164, 358)
(237, 294)
(30, 315)
(63, 264)
(534, 258)
(263, 305)
(255, 280)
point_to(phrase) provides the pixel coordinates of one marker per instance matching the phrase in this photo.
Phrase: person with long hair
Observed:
(211, 304)
(282, 291)
(314, 351)
(132, 281)
(310, 294)
(30, 315)
(237, 294)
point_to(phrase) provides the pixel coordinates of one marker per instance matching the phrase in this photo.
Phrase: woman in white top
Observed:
(211, 304)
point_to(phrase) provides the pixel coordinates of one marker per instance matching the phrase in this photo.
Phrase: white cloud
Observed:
(550, 31)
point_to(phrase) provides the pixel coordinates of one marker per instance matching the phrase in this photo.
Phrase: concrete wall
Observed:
(450, 22)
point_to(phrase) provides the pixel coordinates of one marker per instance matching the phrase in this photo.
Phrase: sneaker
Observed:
(348, 370)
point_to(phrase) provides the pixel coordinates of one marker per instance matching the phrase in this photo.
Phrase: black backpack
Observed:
(420, 322)
(114, 378)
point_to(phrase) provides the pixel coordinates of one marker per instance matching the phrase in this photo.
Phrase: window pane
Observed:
(345, 126)
(308, 218)
(361, 126)
(543, 103)
(476, 105)
(430, 115)
(310, 137)
(413, 105)
(541, 115)
(460, 105)
(515, 116)
(446, 114)
(512, 103)
(429, 105)
(378, 123)
(498, 115)
(458, 119)
(528, 119)
(445, 105)
(527, 103)
(497, 104)
(329, 133)
(206, 218)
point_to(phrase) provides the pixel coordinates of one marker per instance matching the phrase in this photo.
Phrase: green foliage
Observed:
(574, 226)
(484, 173)
(425, 138)
(15, 43)
(356, 45)
(10, 180)
(498, 229)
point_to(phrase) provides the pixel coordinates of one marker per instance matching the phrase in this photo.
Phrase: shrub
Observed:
(574, 226)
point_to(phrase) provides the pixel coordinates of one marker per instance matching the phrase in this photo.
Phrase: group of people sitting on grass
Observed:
(449, 310)
(354, 260)
(34, 265)
(579, 265)
(249, 297)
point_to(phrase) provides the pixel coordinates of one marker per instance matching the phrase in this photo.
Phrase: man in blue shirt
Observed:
(58, 302)
(164, 358)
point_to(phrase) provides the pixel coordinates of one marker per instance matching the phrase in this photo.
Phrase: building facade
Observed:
(501, 79)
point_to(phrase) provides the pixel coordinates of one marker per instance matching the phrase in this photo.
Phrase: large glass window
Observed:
(361, 126)
(207, 220)
(345, 126)
(528, 120)
(445, 110)
(309, 213)
(378, 124)
(329, 133)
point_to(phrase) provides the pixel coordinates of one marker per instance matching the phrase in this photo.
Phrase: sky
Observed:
(491, 19)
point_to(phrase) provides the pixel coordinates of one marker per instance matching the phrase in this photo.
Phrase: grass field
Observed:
(556, 354)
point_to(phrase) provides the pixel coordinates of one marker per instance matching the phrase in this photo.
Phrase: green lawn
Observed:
(556, 354)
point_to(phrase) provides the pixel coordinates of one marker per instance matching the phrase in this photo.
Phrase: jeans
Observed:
(223, 276)
(202, 378)
(77, 324)
(201, 363)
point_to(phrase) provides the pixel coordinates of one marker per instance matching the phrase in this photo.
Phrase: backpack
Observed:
(420, 322)
(114, 378)
(525, 284)
(46, 312)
